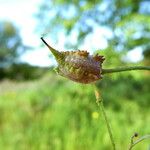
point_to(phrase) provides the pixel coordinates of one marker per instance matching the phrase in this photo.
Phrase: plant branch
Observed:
(130, 68)
(137, 141)
(100, 104)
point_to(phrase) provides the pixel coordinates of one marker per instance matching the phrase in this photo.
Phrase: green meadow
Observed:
(40, 110)
(53, 113)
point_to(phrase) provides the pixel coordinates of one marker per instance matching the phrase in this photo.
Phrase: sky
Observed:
(22, 14)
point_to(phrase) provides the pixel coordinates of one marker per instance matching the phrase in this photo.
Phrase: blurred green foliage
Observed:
(127, 20)
(57, 114)
(22, 71)
(11, 46)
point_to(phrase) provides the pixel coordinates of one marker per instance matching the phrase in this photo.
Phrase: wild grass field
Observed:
(53, 113)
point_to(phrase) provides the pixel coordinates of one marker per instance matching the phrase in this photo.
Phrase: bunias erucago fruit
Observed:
(78, 65)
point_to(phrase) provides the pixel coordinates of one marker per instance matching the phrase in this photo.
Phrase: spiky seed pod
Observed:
(78, 65)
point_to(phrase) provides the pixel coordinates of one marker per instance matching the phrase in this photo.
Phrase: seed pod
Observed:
(78, 65)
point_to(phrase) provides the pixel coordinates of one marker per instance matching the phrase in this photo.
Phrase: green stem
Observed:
(105, 71)
(100, 104)
(138, 141)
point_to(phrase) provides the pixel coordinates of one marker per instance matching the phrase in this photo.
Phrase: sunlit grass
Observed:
(54, 113)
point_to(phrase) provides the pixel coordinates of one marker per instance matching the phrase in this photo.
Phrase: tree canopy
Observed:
(127, 20)
(11, 45)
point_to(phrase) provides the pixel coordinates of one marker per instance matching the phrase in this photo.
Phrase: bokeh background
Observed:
(42, 111)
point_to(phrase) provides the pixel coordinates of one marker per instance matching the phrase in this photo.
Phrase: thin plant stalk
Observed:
(133, 143)
(121, 69)
(99, 102)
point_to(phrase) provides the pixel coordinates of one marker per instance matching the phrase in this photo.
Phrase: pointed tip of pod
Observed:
(58, 55)
(51, 48)
(44, 42)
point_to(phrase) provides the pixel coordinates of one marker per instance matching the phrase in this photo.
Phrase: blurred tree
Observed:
(11, 45)
(127, 20)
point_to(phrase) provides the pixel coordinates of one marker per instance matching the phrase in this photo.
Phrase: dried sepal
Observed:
(78, 65)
